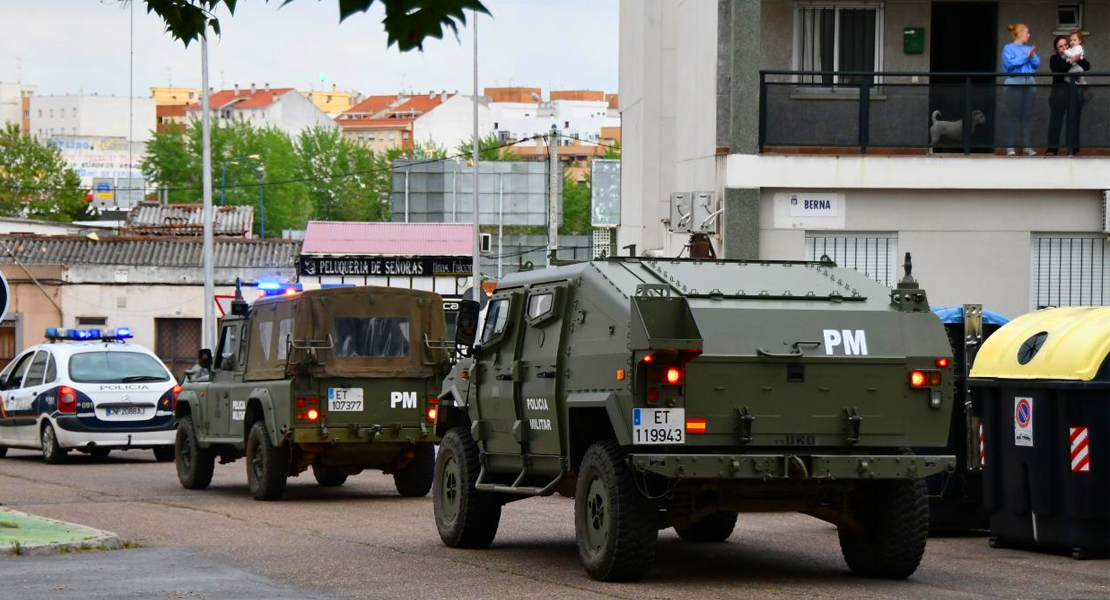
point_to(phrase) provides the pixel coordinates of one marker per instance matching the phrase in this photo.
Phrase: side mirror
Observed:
(466, 323)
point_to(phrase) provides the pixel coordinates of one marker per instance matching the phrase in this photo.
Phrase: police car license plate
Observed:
(124, 411)
(658, 426)
(344, 399)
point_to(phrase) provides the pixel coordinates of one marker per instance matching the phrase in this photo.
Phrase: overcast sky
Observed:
(69, 46)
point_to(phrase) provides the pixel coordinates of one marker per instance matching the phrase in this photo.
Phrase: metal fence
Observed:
(936, 112)
(1070, 270)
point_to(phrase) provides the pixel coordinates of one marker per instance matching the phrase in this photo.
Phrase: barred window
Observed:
(1070, 270)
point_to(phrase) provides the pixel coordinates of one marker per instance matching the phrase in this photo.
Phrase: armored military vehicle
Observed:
(677, 393)
(337, 380)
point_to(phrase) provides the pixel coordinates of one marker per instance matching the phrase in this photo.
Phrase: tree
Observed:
(408, 22)
(576, 206)
(341, 177)
(489, 148)
(35, 182)
(612, 151)
(173, 161)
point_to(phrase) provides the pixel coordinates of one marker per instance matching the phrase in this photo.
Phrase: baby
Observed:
(1074, 53)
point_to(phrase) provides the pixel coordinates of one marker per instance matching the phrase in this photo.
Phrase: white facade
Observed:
(980, 228)
(575, 119)
(91, 115)
(451, 122)
(11, 102)
(288, 111)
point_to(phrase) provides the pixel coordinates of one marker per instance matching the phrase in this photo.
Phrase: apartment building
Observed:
(586, 119)
(263, 106)
(91, 115)
(442, 119)
(15, 104)
(813, 123)
(335, 101)
(169, 105)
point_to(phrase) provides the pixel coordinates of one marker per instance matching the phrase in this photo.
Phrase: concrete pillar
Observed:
(738, 89)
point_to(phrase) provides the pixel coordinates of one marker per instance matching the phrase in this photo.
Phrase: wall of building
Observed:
(30, 307)
(88, 115)
(294, 113)
(12, 99)
(968, 246)
(452, 123)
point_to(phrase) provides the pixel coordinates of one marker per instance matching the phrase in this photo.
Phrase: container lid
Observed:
(955, 314)
(1055, 343)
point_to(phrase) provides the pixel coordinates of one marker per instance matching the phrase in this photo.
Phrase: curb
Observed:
(98, 540)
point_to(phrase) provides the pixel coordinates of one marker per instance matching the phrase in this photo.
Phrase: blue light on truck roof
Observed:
(269, 285)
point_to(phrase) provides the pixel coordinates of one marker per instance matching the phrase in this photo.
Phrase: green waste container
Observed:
(1041, 385)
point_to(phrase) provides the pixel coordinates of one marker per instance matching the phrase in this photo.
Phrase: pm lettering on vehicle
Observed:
(402, 399)
(854, 341)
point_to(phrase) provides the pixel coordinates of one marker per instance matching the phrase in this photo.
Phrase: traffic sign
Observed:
(1023, 421)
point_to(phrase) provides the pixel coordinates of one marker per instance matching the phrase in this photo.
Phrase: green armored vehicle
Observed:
(339, 380)
(677, 393)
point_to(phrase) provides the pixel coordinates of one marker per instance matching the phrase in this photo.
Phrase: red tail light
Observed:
(920, 379)
(433, 412)
(312, 414)
(942, 362)
(917, 379)
(67, 400)
(674, 376)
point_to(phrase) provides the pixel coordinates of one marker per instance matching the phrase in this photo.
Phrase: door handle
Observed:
(504, 377)
(546, 375)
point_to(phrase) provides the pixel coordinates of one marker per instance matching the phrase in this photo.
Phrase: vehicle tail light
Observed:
(934, 378)
(921, 379)
(308, 409)
(67, 400)
(673, 376)
(312, 414)
(171, 402)
(943, 362)
(433, 408)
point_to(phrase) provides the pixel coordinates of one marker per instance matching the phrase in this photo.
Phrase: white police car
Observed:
(89, 391)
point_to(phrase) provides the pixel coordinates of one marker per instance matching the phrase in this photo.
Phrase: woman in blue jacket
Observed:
(1018, 62)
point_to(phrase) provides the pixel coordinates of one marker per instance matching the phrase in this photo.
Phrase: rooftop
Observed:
(147, 251)
(389, 239)
(243, 98)
(185, 219)
(398, 106)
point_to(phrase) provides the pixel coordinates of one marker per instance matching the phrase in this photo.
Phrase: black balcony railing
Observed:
(933, 112)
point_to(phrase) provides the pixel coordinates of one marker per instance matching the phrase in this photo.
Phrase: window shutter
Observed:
(874, 255)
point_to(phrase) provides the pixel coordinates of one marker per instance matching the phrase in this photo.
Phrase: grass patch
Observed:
(8, 525)
(17, 549)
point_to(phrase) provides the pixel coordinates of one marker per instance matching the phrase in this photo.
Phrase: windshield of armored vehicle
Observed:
(366, 337)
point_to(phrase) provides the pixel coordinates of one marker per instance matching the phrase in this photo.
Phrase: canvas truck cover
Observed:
(355, 331)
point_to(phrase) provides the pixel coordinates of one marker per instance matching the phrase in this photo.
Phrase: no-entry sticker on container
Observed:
(1080, 450)
(1023, 422)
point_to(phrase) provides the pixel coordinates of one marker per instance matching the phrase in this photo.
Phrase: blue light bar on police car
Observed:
(123, 333)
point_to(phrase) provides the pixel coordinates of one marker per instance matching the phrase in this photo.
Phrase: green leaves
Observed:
(407, 22)
(35, 182)
(489, 148)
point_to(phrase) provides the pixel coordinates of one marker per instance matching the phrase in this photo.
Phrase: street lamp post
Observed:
(260, 173)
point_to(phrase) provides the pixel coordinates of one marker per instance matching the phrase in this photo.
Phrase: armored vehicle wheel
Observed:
(52, 453)
(163, 453)
(893, 524)
(100, 452)
(465, 517)
(716, 527)
(328, 476)
(614, 524)
(416, 478)
(267, 464)
(194, 464)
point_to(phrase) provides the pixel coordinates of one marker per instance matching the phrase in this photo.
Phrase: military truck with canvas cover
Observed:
(337, 380)
(677, 393)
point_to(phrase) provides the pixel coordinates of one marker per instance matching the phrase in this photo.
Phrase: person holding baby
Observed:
(1067, 59)
(1019, 61)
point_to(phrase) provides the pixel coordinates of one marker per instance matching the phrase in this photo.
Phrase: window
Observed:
(51, 371)
(370, 337)
(497, 317)
(1069, 15)
(227, 344)
(116, 367)
(40, 113)
(405, 135)
(873, 254)
(539, 305)
(52, 113)
(840, 36)
(15, 379)
(92, 321)
(37, 369)
(1070, 270)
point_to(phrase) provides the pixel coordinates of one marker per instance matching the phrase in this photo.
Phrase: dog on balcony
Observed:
(952, 129)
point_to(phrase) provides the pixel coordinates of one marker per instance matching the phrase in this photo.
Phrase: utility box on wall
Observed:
(913, 40)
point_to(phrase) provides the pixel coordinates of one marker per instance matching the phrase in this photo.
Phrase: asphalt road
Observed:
(364, 541)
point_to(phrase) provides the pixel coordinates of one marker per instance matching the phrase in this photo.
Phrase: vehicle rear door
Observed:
(225, 419)
(499, 367)
(541, 337)
(125, 383)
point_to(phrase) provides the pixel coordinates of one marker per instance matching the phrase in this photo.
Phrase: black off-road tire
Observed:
(328, 476)
(267, 464)
(164, 453)
(415, 480)
(615, 525)
(894, 526)
(100, 452)
(465, 517)
(52, 452)
(713, 528)
(195, 464)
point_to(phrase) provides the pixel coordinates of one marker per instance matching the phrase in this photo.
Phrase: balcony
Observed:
(891, 113)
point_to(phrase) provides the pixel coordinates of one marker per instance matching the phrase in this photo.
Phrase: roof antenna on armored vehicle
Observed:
(631, 250)
(239, 305)
(908, 281)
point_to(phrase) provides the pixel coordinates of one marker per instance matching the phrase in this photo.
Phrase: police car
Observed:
(89, 391)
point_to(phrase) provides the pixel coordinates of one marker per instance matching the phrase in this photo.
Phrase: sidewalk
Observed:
(24, 534)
